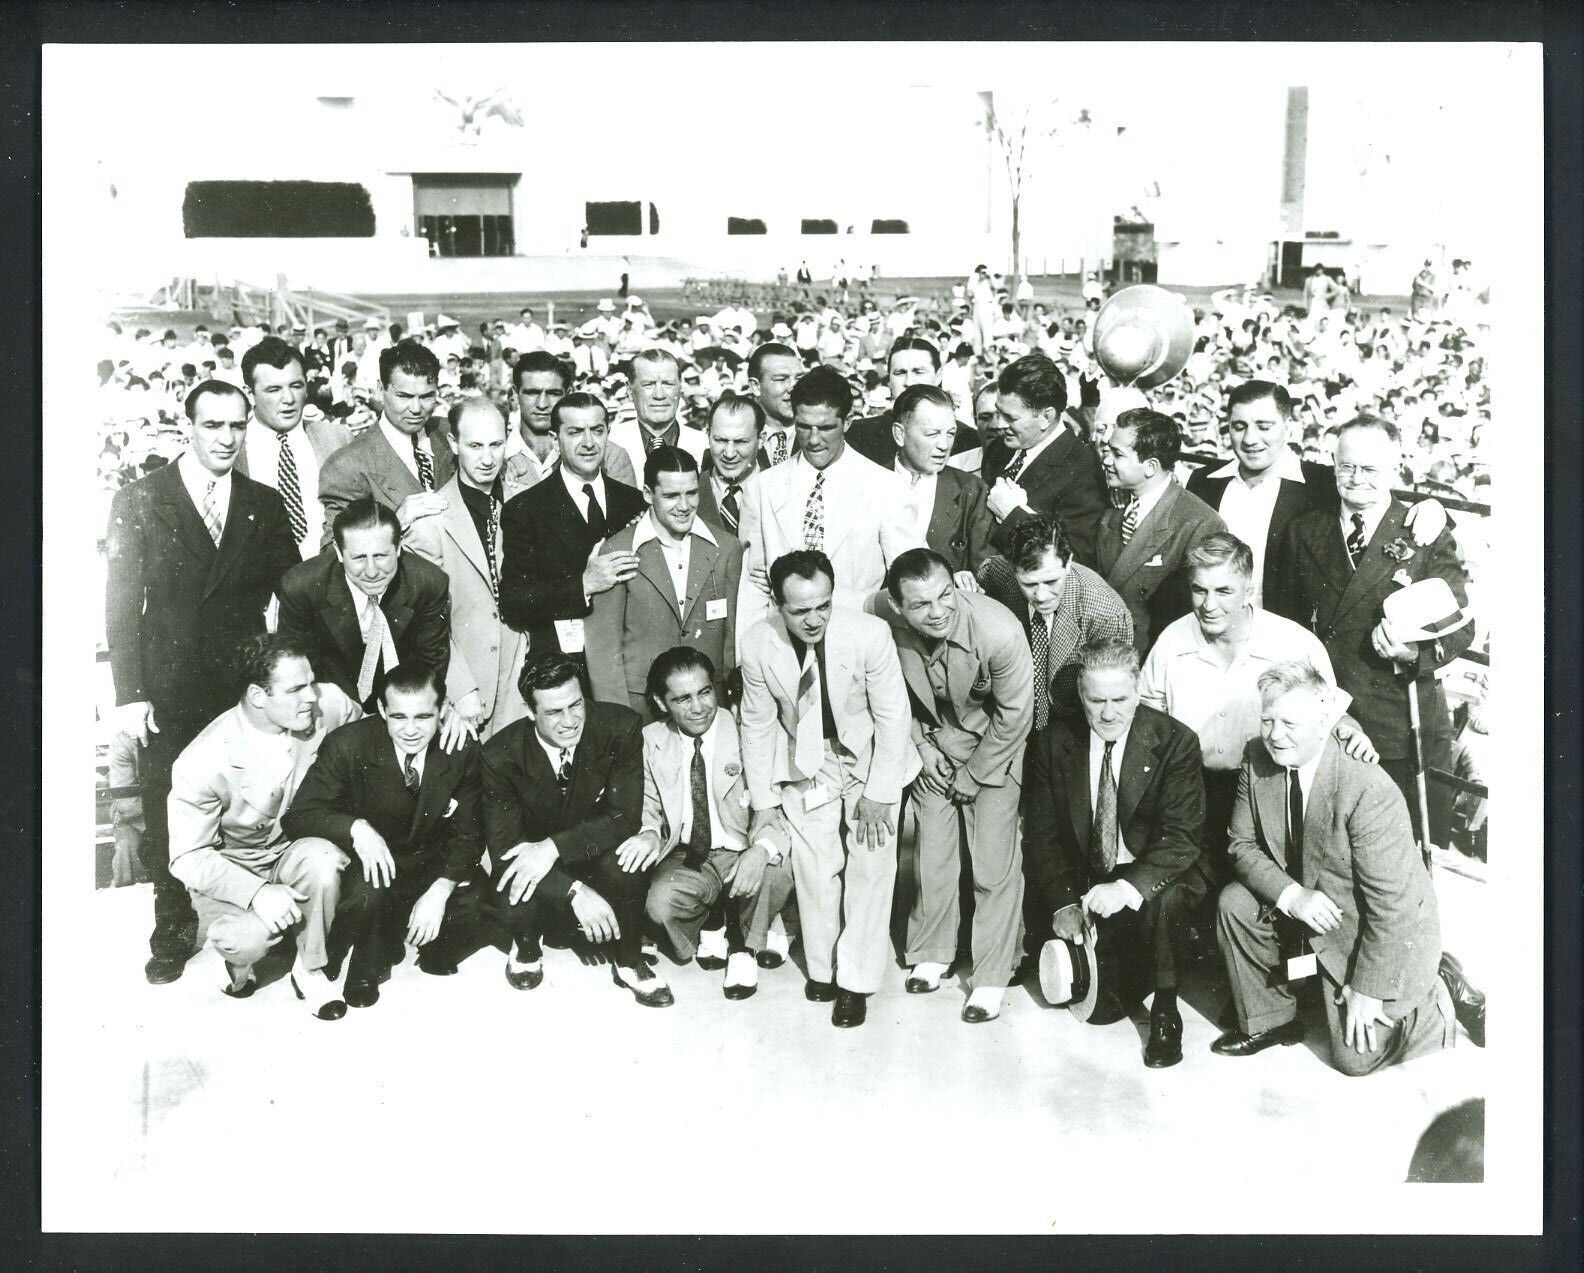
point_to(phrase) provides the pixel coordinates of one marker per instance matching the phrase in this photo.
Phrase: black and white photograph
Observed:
(955, 651)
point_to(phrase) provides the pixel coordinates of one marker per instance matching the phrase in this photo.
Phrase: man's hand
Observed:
(966, 582)
(872, 822)
(428, 913)
(418, 505)
(594, 915)
(1426, 520)
(763, 820)
(638, 852)
(936, 775)
(1360, 1016)
(379, 868)
(605, 571)
(470, 707)
(276, 906)
(1388, 646)
(529, 863)
(1068, 924)
(747, 871)
(1356, 743)
(1004, 497)
(963, 789)
(136, 721)
(1106, 899)
(455, 729)
(760, 578)
(1315, 909)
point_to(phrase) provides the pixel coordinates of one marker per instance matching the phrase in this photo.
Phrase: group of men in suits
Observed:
(513, 652)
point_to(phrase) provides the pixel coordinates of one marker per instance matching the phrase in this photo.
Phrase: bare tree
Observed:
(1019, 126)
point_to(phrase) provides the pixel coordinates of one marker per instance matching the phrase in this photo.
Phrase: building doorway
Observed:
(465, 214)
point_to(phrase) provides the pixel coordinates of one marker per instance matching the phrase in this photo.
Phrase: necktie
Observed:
(808, 752)
(778, 448)
(1355, 541)
(699, 833)
(596, 514)
(425, 466)
(211, 514)
(492, 533)
(564, 770)
(375, 636)
(1039, 635)
(1105, 816)
(1130, 519)
(1013, 469)
(1295, 826)
(731, 512)
(410, 774)
(814, 515)
(290, 490)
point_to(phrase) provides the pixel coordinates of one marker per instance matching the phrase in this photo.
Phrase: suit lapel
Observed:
(778, 493)
(387, 470)
(1270, 798)
(1148, 535)
(340, 614)
(652, 566)
(434, 784)
(1373, 564)
(728, 784)
(946, 513)
(1317, 811)
(839, 505)
(457, 522)
(1065, 632)
(1138, 767)
(238, 533)
(1076, 747)
(175, 506)
(914, 672)
(701, 564)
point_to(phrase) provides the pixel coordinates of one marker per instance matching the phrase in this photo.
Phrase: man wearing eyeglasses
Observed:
(1336, 570)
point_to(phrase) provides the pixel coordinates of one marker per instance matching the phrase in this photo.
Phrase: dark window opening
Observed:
(744, 225)
(464, 214)
(613, 218)
(818, 226)
(654, 220)
(277, 210)
(881, 225)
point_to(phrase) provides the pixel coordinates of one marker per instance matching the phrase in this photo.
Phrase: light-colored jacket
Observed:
(668, 761)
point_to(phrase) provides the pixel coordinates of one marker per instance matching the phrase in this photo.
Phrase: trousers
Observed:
(624, 892)
(175, 924)
(681, 896)
(311, 866)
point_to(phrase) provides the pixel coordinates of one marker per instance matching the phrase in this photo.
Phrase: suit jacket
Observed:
(229, 789)
(521, 471)
(547, 544)
(1065, 481)
(603, 804)
(990, 683)
(868, 701)
(668, 792)
(1316, 491)
(1160, 808)
(866, 526)
(486, 654)
(961, 525)
(1359, 851)
(708, 507)
(356, 776)
(175, 605)
(628, 436)
(317, 610)
(632, 624)
(324, 435)
(1147, 572)
(871, 437)
(1321, 590)
(368, 466)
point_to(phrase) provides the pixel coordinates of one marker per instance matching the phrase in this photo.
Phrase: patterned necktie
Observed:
(491, 534)
(211, 514)
(410, 775)
(814, 515)
(731, 512)
(596, 514)
(564, 770)
(1105, 816)
(1355, 541)
(808, 752)
(1130, 519)
(699, 832)
(290, 489)
(375, 635)
(778, 449)
(1039, 634)
(1013, 469)
(425, 466)
(1295, 826)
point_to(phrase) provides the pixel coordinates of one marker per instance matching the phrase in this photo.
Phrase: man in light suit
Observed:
(826, 735)
(949, 507)
(466, 542)
(656, 396)
(250, 881)
(971, 684)
(1142, 545)
(281, 449)
(695, 824)
(825, 499)
(401, 462)
(1327, 879)
(541, 381)
(684, 591)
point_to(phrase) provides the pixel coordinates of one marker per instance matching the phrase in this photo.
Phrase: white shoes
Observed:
(742, 975)
(712, 949)
(777, 945)
(322, 995)
(925, 978)
(984, 1004)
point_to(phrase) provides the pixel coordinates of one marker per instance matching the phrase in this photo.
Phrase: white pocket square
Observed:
(1155, 561)
(450, 809)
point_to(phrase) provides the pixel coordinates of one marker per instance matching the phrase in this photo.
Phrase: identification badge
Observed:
(1301, 966)
(569, 632)
(817, 795)
(715, 609)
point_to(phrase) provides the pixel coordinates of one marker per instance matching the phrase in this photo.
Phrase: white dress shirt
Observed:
(417, 761)
(263, 446)
(196, 479)
(919, 497)
(1147, 502)
(362, 603)
(1247, 510)
(1306, 777)
(678, 555)
(575, 485)
(1372, 519)
(1096, 754)
(402, 444)
(553, 754)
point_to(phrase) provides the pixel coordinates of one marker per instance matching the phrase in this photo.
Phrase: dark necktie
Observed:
(698, 785)
(410, 774)
(1013, 469)
(596, 514)
(1039, 634)
(1295, 826)
(1355, 541)
(1105, 816)
(731, 512)
(778, 449)
(425, 466)
(564, 770)
(290, 489)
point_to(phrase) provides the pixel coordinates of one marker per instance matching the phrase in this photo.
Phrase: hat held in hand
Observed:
(1425, 611)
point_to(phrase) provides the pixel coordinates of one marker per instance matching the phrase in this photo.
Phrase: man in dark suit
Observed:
(1337, 569)
(1327, 880)
(736, 424)
(382, 789)
(402, 461)
(1044, 469)
(563, 805)
(950, 507)
(550, 532)
(195, 553)
(912, 361)
(1142, 545)
(1112, 830)
(366, 605)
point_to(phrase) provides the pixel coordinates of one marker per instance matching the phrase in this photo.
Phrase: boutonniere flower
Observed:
(1400, 550)
(733, 769)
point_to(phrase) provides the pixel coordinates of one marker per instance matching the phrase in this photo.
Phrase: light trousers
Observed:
(311, 866)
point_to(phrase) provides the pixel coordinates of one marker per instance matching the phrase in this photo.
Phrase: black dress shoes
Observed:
(769, 958)
(1468, 1004)
(1236, 1043)
(648, 989)
(161, 971)
(819, 991)
(524, 974)
(438, 964)
(850, 1010)
(1109, 1008)
(361, 993)
(1165, 1039)
(329, 1010)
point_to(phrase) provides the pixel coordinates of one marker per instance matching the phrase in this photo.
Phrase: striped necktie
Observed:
(814, 515)
(1130, 519)
(211, 514)
(731, 511)
(808, 751)
(290, 488)
(425, 466)
(1355, 541)
(1105, 816)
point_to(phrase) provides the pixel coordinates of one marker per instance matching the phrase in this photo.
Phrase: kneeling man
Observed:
(1113, 832)
(1327, 881)
(696, 814)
